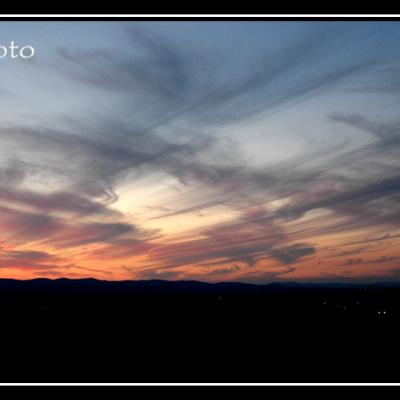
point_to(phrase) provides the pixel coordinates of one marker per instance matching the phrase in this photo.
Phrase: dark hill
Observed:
(186, 331)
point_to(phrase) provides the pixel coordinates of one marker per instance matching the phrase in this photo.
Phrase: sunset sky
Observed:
(214, 151)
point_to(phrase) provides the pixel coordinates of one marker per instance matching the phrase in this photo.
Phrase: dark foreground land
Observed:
(157, 331)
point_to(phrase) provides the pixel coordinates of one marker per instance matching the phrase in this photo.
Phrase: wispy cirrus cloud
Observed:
(160, 109)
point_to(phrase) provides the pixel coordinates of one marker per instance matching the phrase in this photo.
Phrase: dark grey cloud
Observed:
(89, 233)
(360, 260)
(385, 237)
(385, 81)
(183, 83)
(352, 261)
(28, 260)
(266, 276)
(224, 271)
(12, 173)
(28, 255)
(94, 163)
(43, 263)
(148, 63)
(291, 254)
(19, 226)
(383, 131)
(362, 195)
(60, 201)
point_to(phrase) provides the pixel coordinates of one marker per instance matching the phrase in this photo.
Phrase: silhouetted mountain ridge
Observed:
(187, 287)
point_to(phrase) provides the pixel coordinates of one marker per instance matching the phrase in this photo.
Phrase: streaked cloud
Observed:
(156, 158)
